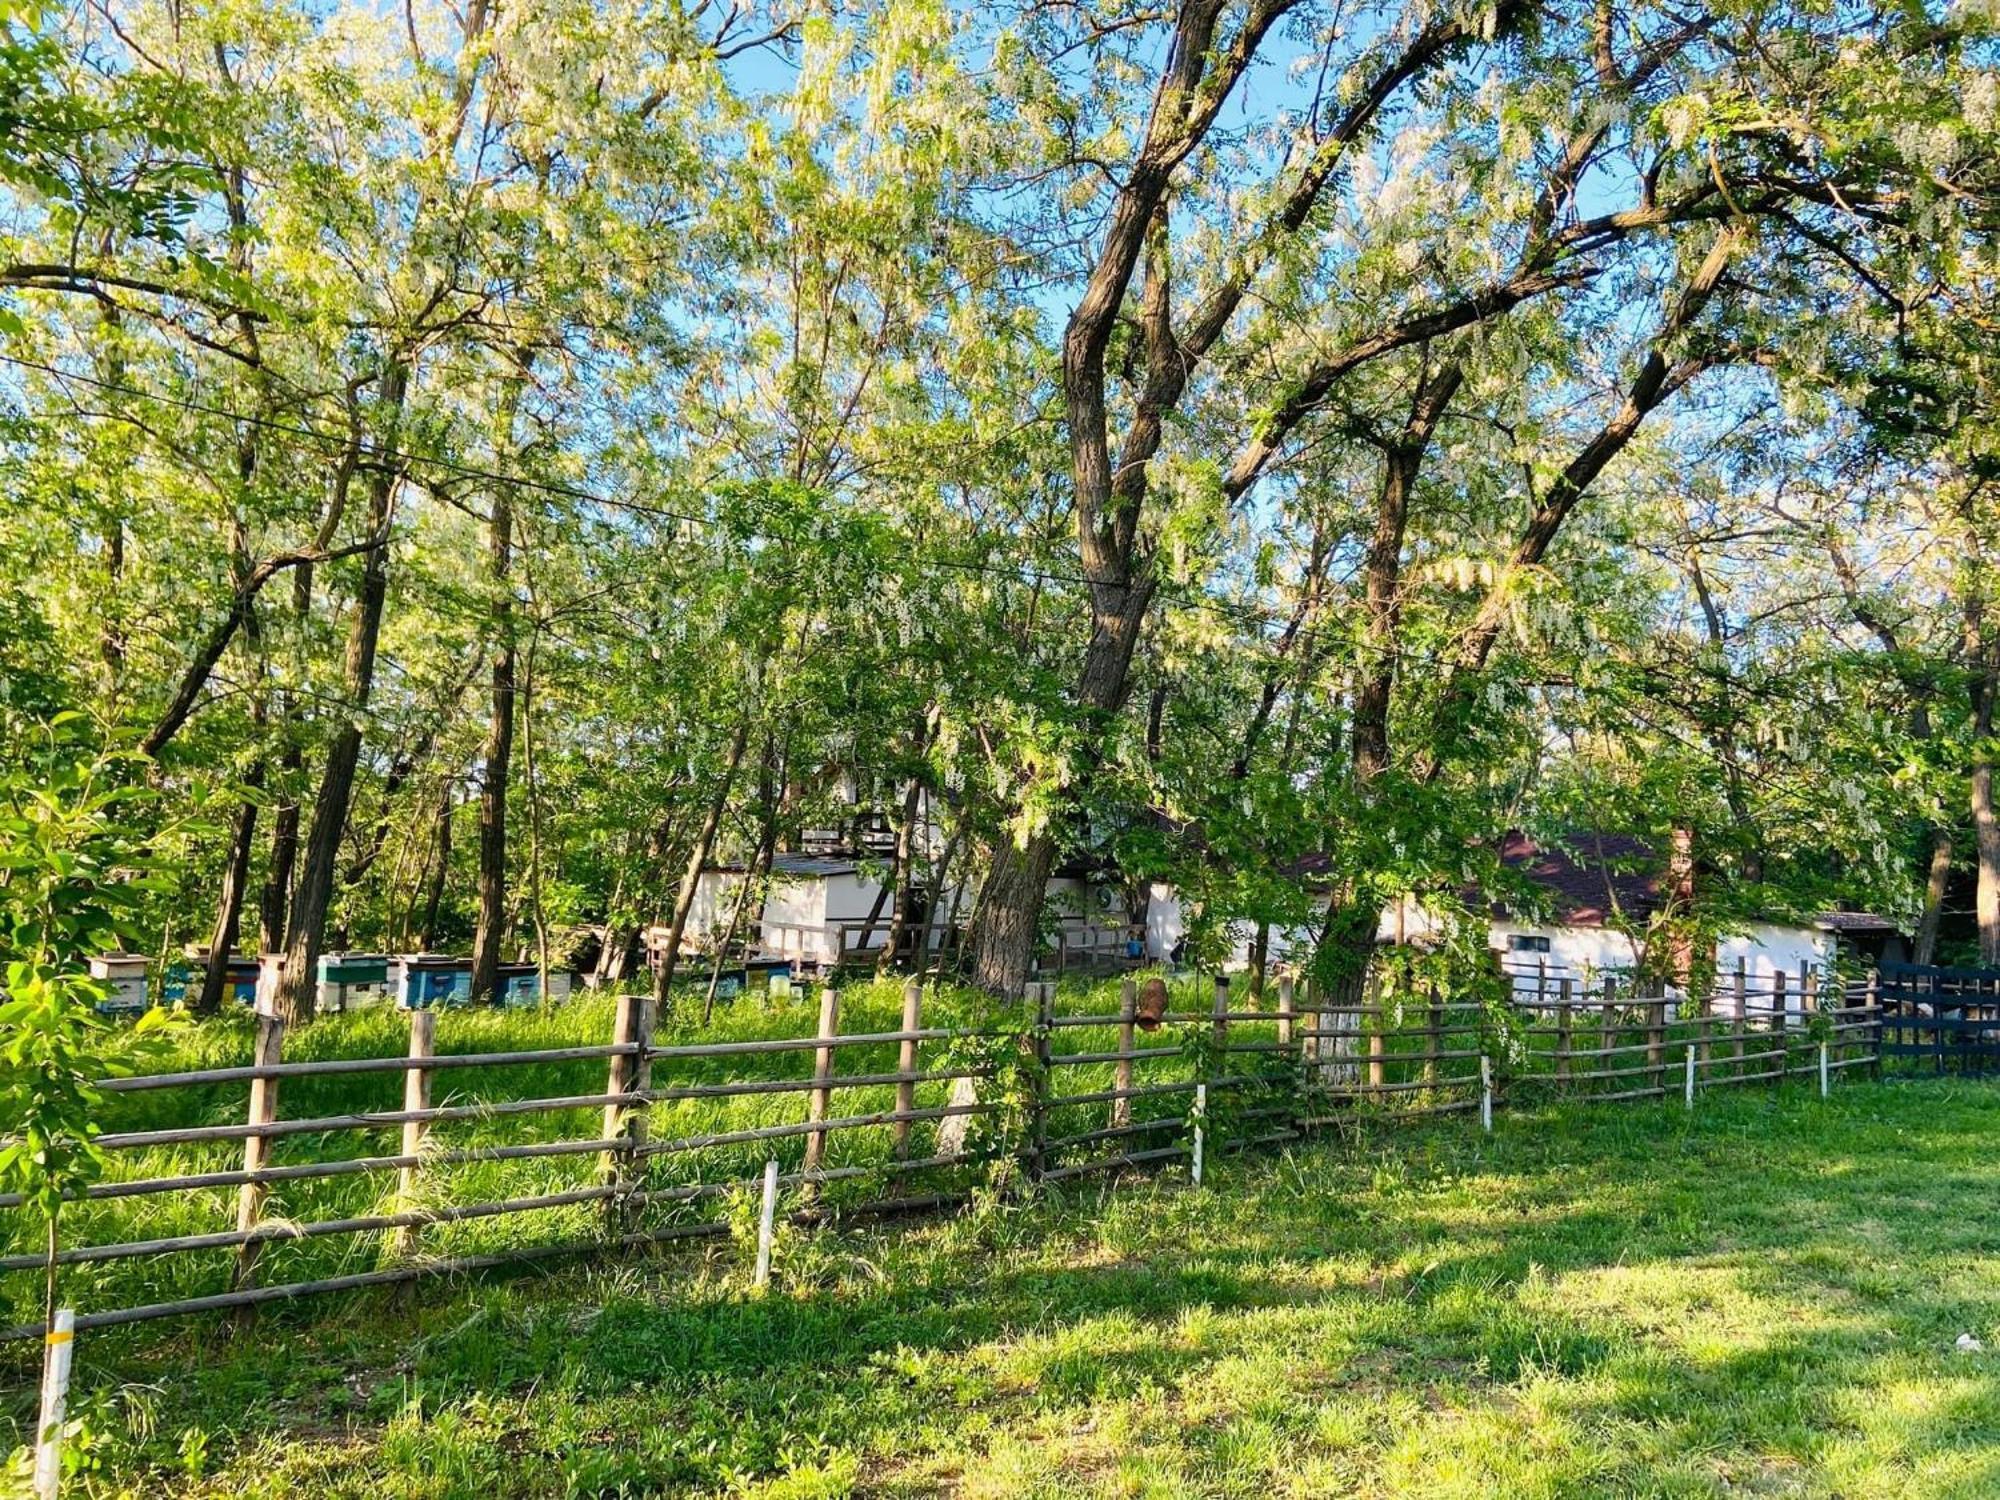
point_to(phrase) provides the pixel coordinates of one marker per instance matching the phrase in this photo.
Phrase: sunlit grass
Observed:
(1762, 1300)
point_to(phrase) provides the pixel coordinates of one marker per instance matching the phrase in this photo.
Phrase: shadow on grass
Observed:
(1763, 1298)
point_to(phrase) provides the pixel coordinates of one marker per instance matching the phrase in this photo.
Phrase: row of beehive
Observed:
(414, 981)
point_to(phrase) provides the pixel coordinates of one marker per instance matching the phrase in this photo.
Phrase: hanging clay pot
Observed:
(1152, 1004)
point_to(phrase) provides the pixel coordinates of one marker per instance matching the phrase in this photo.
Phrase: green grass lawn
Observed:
(1598, 1301)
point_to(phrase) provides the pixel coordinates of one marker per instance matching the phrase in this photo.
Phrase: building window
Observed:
(1527, 942)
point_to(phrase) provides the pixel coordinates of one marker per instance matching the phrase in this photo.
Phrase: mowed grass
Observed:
(1615, 1300)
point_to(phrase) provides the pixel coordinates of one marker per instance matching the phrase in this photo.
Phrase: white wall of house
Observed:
(794, 923)
(803, 914)
(1767, 950)
(1584, 955)
(714, 903)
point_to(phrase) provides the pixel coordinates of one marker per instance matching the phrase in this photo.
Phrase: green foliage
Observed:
(70, 876)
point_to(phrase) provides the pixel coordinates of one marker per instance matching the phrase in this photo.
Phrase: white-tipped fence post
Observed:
(822, 1090)
(1121, 1071)
(1690, 1075)
(906, 1064)
(57, 1353)
(416, 1096)
(1486, 1093)
(1825, 1073)
(267, 1052)
(1200, 1114)
(767, 1222)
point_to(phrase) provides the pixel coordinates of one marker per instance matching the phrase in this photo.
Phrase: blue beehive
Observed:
(431, 982)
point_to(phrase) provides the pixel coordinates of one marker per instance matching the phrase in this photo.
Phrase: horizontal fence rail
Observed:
(871, 1120)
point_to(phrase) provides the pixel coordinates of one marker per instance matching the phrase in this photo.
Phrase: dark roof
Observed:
(1854, 921)
(1590, 878)
(804, 866)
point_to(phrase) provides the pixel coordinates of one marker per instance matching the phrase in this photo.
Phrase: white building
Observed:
(1599, 896)
(818, 909)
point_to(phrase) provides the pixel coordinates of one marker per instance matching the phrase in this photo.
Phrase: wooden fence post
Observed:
(1121, 1075)
(1742, 1025)
(822, 1089)
(1433, 1024)
(1219, 1030)
(630, 1073)
(267, 1051)
(1607, 1032)
(1656, 1042)
(1373, 1016)
(1038, 1131)
(1779, 1022)
(1565, 1040)
(416, 1095)
(1287, 997)
(906, 1063)
(1704, 1011)
(1872, 1017)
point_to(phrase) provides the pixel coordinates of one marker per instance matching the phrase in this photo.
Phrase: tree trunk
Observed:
(499, 754)
(1383, 597)
(1934, 893)
(427, 934)
(704, 845)
(1986, 831)
(229, 905)
(906, 854)
(1011, 899)
(274, 903)
(1680, 904)
(298, 989)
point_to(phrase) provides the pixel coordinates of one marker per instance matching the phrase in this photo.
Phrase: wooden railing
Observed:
(1104, 1094)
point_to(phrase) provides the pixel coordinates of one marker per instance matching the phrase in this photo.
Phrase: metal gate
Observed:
(1947, 1020)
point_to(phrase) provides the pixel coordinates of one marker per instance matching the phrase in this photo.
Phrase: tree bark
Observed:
(1680, 904)
(427, 934)
(1985, 826)
(274, 905)
(1925, 947)
(298, 990)
(230, 903)
(1382, 572)
(499, 755)
(1010, 900)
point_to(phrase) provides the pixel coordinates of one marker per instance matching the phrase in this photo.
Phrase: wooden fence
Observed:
(893, 1120)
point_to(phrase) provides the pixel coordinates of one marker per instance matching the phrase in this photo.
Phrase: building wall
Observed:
(1584, 955)
(792, 904)
(714, 902)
